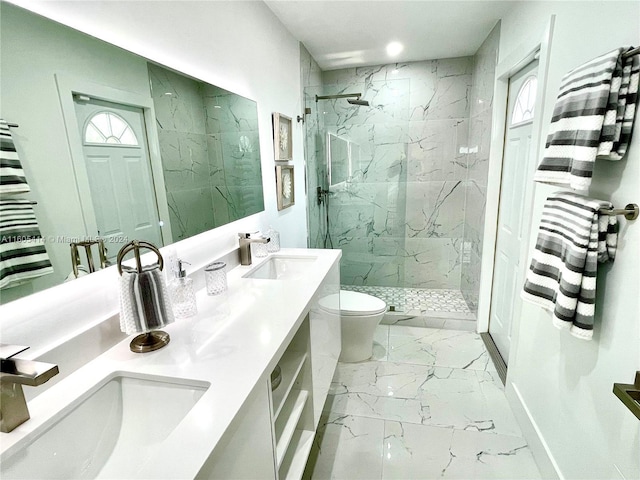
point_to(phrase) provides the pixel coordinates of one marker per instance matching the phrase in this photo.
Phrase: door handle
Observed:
(629, 394)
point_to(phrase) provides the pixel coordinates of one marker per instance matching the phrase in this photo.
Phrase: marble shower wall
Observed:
(210, 152)
(412, 213)
(400, 219)
(475, 186)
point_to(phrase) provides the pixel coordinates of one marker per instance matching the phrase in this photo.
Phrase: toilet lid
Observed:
(353, 303)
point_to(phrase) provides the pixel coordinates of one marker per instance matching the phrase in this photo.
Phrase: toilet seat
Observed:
(353, 304)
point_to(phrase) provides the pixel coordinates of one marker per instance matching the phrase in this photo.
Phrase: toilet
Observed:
(360, 314)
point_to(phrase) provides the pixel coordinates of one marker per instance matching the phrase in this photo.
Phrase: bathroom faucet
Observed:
(13, 374)
(245, 246)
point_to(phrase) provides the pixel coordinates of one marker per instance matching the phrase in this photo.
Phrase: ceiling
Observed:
(342, 34)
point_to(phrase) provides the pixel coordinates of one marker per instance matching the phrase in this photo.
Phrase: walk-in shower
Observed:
(389, 169)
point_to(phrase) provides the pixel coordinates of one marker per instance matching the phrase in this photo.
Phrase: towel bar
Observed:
(630, 212)
(629, 394)
(631, 52)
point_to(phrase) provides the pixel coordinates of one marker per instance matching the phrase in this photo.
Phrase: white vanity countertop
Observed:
(233, 341)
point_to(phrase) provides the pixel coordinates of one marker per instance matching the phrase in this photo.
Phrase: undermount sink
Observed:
(282, 267)
(109, 433)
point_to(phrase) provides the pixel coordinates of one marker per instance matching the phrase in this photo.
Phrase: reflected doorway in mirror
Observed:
(118, 168)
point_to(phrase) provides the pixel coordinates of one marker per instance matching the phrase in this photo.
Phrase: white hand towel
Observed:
(144, 302)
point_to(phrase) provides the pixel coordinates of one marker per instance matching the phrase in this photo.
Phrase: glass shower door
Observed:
(357, 155)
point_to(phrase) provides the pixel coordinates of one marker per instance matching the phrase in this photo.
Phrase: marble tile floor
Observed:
(428, 404)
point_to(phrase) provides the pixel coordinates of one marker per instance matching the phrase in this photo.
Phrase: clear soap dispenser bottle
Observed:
(182, 294)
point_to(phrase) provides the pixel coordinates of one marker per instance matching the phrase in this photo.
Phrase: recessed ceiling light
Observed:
(394, 48)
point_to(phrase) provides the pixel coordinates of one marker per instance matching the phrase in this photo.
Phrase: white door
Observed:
(117, 161)
(515, 173)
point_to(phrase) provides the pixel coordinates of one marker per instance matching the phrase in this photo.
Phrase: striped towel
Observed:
(12, 178)
(621, 109)
(593, 117)
(572, 240)
(22, 253)
(144, 302)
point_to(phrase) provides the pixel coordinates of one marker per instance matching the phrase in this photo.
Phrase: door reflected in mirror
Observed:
(114, 144)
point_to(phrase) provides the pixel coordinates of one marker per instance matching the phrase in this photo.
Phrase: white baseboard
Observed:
(544, 459)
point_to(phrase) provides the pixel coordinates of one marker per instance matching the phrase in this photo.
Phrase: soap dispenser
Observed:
(182, 294)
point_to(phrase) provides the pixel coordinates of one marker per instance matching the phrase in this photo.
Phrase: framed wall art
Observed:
(282, 137)
(285, 190)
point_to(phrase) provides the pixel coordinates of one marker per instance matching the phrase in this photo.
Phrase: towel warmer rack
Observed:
(75, 255)
(630, 212)
(149, 340)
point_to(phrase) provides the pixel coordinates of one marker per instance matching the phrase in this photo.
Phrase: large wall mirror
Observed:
(115, 147)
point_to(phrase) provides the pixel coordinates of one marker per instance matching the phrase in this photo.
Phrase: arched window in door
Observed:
(108, 128)
(525, 101)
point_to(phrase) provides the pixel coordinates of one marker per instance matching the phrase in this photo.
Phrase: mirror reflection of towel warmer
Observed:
(75, 255)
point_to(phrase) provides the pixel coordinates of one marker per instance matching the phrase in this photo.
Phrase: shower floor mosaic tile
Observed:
(428, 404)
(416, 300)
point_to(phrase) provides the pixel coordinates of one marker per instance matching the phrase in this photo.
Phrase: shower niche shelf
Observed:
(292, 407)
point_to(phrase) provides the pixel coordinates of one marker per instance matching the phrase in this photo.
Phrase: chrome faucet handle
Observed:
(8, 351)
(245, 246)
(14, 373)
(247, 235)
(26, 372)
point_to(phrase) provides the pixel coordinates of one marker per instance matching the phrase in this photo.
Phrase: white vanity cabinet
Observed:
(246, 449)
(239, 428)
(326, 341)
(292, 407)
(308, 366)
(273, 432)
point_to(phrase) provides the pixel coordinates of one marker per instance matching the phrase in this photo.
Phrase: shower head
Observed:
(357, 101)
